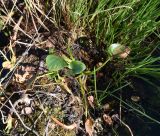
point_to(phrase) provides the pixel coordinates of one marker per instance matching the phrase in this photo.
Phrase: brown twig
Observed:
(114, 117)
(16, 28)
(70, 127)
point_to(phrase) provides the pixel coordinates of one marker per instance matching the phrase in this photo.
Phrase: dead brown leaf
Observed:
(124, 54)
(107, 119)
(21, 78)
(135, 98)
(91, 101)
(89, 126)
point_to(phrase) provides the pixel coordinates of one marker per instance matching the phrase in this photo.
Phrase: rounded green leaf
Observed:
(77, 66)
(116, 49)
(55, 63)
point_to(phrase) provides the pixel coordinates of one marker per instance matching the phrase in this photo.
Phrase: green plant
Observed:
(1, 24)
(56, 63)
(128, 30)
(146, 70)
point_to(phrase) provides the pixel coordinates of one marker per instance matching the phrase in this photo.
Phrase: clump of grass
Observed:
(127, 22)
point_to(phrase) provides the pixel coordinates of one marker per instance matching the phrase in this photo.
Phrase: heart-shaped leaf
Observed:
(77, 66)
(55, 63)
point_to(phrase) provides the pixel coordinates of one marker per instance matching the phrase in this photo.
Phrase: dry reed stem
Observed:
(70, 127)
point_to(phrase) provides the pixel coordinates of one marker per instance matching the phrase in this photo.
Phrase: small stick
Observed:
(114, 117)
(16, 28)
(70, 127)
